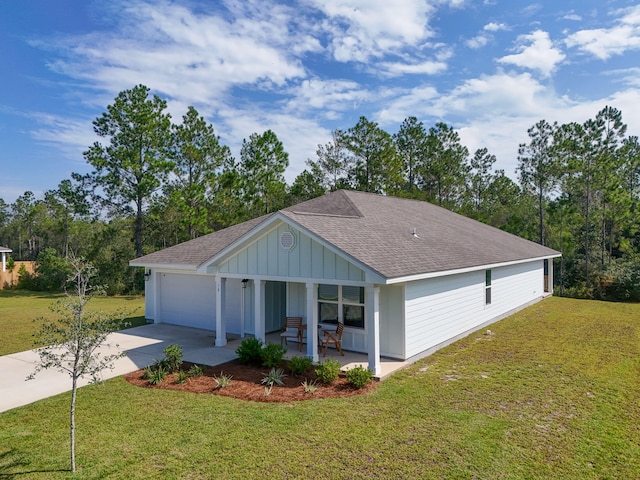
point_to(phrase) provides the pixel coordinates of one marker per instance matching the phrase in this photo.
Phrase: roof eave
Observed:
(444, 273)
(164, 266)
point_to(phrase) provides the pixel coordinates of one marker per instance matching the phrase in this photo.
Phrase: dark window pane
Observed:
(353, 316)
(487, 298)
(328, 312)
(353, 294)
(487, 277)
(328, 292)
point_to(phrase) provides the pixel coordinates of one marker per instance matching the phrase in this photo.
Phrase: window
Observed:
(345, 304)
(487, 287)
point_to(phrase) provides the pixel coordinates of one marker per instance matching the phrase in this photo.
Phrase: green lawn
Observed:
(19, 309)
(552, 393)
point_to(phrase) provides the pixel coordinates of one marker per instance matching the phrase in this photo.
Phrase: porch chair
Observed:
(333, 338)
(292, 328)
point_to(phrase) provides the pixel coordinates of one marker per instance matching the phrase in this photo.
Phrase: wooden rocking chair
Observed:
(333, 338)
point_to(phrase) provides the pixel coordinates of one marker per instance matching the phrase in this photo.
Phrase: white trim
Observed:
(167, 266)
(444, 273)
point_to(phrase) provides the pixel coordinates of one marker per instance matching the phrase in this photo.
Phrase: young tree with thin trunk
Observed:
(71, 343)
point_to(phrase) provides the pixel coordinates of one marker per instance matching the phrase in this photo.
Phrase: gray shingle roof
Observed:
(378, 231)
(197, 251)
(380, 234)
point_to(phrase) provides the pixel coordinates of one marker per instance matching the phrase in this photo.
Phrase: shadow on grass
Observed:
(11, 293)
(13, 466)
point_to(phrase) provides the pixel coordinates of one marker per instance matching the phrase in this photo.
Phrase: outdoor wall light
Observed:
(147, 275)
(244, 282)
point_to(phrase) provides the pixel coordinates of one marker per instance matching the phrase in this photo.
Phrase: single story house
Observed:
(405, 277)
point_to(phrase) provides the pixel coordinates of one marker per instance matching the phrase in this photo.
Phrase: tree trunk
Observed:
(72, 423)
(138, 229)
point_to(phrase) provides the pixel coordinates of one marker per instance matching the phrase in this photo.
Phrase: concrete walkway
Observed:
(143, 345)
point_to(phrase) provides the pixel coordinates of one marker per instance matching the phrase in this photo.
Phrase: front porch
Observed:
(198, 347)
(349, 360)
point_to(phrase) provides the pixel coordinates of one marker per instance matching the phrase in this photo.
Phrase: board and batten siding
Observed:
(439, 309)
(308, 259)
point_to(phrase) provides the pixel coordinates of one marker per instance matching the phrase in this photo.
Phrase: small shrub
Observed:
(249, 351)
(182, 377)
(173, 358)
(274, 377)
(300, 365)
(310, 386)
(329, 371)
(195, 371)
(222, 380)
(272, 354)
(155, 376)
(359, 376)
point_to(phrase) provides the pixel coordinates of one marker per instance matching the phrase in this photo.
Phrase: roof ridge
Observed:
(332, 204)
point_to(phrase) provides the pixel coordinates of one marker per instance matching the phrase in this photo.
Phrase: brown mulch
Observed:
(246, 384)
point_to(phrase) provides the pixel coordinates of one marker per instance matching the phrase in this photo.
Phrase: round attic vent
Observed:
(287, 241)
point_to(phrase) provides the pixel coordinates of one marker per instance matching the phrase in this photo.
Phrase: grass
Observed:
(19, 309)
(551, 393)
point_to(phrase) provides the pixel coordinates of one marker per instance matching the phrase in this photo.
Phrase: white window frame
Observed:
(487, 287)
(340, 302)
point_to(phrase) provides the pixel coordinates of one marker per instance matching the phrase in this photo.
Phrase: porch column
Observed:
(4, 262)
(221, 331)
(372, 309)
(312, 321)
(259, 326)
(550, 274)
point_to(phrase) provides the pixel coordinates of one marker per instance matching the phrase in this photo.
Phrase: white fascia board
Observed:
(301, 280)
(164, 266)
(444, 273)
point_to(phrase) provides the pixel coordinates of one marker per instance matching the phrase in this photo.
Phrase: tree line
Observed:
(156, 183)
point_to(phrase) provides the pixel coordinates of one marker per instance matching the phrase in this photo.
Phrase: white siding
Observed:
(308, 259)
(443, 308)
(297, 300)
(232, 304)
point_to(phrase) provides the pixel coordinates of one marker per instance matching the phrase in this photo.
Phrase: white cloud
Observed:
(374, 27)
(394, 69)
(187, 56)
(495, 27)
(478, 41)
(604, 43)
(328, 95)
(539, 55)
(573, 16)
(485, 36)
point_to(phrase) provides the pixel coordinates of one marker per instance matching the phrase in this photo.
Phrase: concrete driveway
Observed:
(143, 345)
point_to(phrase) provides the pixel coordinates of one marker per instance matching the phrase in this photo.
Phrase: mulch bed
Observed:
(246, 384)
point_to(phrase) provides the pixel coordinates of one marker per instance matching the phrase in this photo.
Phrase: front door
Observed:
(275, 305)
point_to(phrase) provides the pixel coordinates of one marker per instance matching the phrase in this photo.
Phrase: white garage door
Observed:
(188, 300)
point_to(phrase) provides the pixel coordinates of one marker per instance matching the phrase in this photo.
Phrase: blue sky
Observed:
(490, 68)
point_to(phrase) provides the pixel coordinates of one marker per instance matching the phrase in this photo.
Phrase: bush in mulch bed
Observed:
(246, 383)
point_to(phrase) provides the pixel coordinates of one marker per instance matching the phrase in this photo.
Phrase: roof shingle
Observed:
(378, 231)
